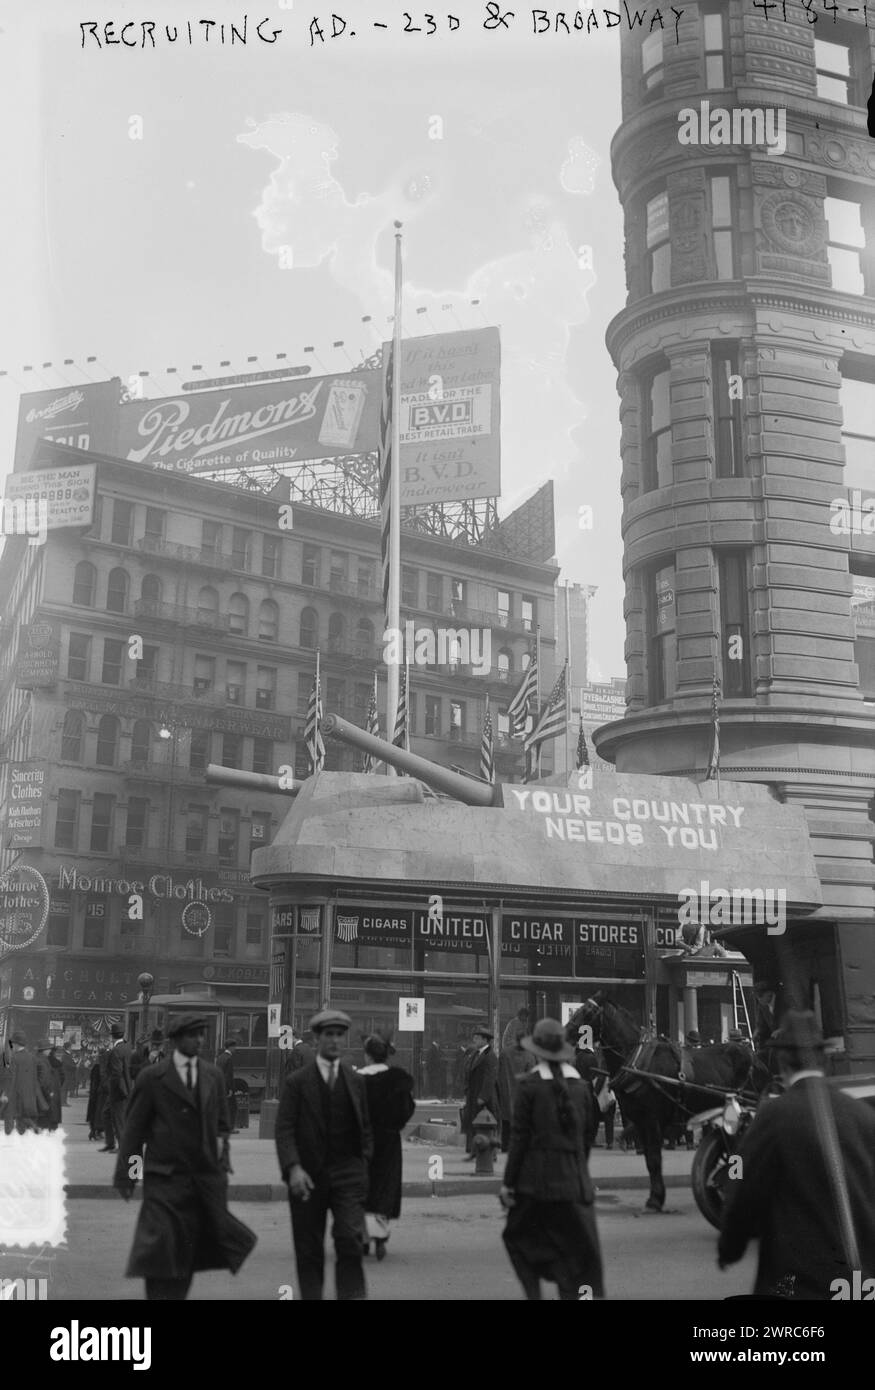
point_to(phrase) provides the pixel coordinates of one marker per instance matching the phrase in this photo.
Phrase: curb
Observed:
(447, 1187)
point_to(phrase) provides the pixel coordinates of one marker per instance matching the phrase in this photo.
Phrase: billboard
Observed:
(276, 422)
(63, 496)
(39, 650)
(24, 806)
(450, 417)
(82, 416)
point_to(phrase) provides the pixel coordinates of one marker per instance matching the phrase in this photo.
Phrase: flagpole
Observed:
(318, 703)
(393, 613)
(568, 700)
(538, 691)
(407, 700)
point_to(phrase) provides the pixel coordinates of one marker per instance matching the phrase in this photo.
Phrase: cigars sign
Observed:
(611, 947)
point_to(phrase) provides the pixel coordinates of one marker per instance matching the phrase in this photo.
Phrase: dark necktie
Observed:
(189, 1078)
(331, 1076)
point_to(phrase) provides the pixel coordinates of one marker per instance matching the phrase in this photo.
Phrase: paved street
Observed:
(443, 1248)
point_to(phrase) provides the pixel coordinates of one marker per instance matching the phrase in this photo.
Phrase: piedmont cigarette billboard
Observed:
(83, 416)
(309, 418)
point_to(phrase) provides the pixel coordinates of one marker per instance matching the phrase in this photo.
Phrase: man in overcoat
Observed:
(118, 1086)
(178, 1111)
(324, 1144)
(26, 1102)
(481, 1083)
(225, 1063)
(808, 1154)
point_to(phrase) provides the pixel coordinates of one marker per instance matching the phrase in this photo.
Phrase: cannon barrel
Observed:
(247, 781)
(440, 779)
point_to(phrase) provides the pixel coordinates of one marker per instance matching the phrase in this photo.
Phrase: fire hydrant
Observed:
(485, 1141)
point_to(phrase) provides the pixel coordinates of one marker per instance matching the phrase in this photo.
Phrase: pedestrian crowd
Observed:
(807, 1162)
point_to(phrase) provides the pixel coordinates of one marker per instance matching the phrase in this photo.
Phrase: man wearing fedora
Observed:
(178, 1110)
(547, 1191)
(117, 1079)
(481, 1083)
(807, 1185)
(26, 1102)
(324, 1144)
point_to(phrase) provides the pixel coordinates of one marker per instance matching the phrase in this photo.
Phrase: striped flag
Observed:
(714, 759)
(312, 731)
(524, 699)
(372, 727)
(487, 756)
(554, 716)
(401, 736)
(582, 753)
(386, 465)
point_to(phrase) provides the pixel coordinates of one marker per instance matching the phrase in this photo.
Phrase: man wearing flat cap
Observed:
(807, 1185)
(324, 1144)
(179, 1111)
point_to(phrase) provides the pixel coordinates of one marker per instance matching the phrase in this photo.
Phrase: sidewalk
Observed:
(256, 1174)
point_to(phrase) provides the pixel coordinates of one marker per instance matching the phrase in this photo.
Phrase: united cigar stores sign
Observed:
(607, 947)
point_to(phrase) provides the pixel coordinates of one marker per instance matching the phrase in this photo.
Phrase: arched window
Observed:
(525, 661)
(336, 631)
(117, 591)
(364, 634)
(207, 604)
(84, 584)
(505, 664)
(107, 741)
(150, 589)
(268, 621)
(238, 615)
(309, 635)
(454, 653)
(141, 742)
(71, 737)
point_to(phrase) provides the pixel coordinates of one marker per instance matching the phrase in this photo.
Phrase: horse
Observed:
(650, 1104)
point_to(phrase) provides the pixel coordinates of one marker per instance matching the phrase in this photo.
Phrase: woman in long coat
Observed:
(551, 1230)
(390, 1106)
(26, 1102)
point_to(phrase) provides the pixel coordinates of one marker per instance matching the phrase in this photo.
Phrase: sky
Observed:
(201, 202)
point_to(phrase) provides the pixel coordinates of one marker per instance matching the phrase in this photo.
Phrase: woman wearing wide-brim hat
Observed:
(551, 1228)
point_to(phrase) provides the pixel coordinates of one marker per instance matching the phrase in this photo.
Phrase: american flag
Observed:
(554, 716)
(312, 731)
(582, 753)
(386, 465)
(400, 737)
(714, 759)
(487, 757)
(521, 705)
(372, 727)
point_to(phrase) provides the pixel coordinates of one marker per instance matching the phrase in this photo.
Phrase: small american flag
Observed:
(714, 759)
(312, 731)
(582, 753)
(400, 738)
(523, 701)
(487, 757)
(309, 919)
(554, 716)
(372, 727)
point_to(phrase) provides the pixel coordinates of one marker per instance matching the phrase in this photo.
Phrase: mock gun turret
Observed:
(440, 779)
